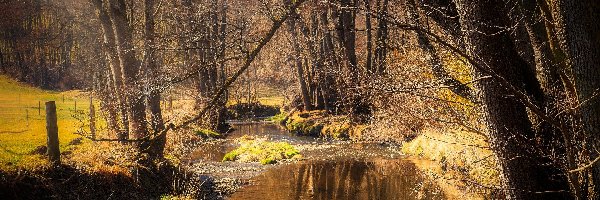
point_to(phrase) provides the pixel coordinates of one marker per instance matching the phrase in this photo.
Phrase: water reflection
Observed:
(345, 179)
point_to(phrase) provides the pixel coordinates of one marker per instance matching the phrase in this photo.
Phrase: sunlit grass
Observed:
(260, 150)
(267, 101)
(459, 151)
(23, 126)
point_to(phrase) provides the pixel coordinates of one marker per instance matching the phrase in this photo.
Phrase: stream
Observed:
(328, 170)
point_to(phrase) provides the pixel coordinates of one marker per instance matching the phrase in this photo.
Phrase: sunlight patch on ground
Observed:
(23, 127)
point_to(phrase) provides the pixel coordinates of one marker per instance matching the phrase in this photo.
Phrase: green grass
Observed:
(258, 150)
(22, 129)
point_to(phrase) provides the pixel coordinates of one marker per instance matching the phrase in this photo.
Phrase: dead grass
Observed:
(460, 155)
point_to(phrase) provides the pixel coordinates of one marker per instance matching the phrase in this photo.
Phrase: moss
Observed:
(173, 159)
(260, 150)
(280, 118)
(231, 156)
(207, 133)
(319, 124)
(336, 130)
(267, 161)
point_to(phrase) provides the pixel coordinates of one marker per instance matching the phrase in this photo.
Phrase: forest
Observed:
(299, 99)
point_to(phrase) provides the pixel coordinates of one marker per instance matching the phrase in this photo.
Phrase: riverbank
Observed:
(459, 161)
(353, 164)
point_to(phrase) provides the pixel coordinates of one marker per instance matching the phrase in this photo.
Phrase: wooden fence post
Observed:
(52, 131)
(39, 108)
(92, 119)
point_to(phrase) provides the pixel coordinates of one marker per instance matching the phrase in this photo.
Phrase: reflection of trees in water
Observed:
(380, 179)
(255, 129)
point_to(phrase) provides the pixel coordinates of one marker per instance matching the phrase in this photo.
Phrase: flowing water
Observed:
(329, 170)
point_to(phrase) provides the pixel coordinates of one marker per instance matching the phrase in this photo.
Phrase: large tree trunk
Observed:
(578, 33)
(130, 67)
(222, 109)
(524, 171)
(109, 104)
(110, 49)
(152, 74)
(550, 138)
(356, 104)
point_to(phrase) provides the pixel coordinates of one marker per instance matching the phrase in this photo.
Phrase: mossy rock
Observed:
(262, 151)
(280, 118)
(317, 124)
(207, 133)
(336, 130)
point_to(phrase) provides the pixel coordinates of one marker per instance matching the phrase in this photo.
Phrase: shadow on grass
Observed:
(66, 182)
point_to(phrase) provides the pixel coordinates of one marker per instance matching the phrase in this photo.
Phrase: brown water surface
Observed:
(330, 170)
(342, 179)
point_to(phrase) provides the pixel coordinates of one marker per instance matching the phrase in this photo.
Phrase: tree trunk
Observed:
(330, 63)
(510, 131)
(130, 68)
(578, 33)
(110, 49)
(152, 74)
(356, 104)
(110, 105)
(369, 62)
(298, 62)
(382, 37)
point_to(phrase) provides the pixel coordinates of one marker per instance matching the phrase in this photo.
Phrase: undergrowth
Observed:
(459, 151)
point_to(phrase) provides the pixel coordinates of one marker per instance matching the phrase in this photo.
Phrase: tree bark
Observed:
(510, 131)
(578, 33)
(152, 74)
(369, 62)
(298, 62)
(130, 69)
(109, 46)
(382, 37)
(329, 89)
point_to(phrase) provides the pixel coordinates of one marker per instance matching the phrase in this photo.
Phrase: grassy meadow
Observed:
(23, 129)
